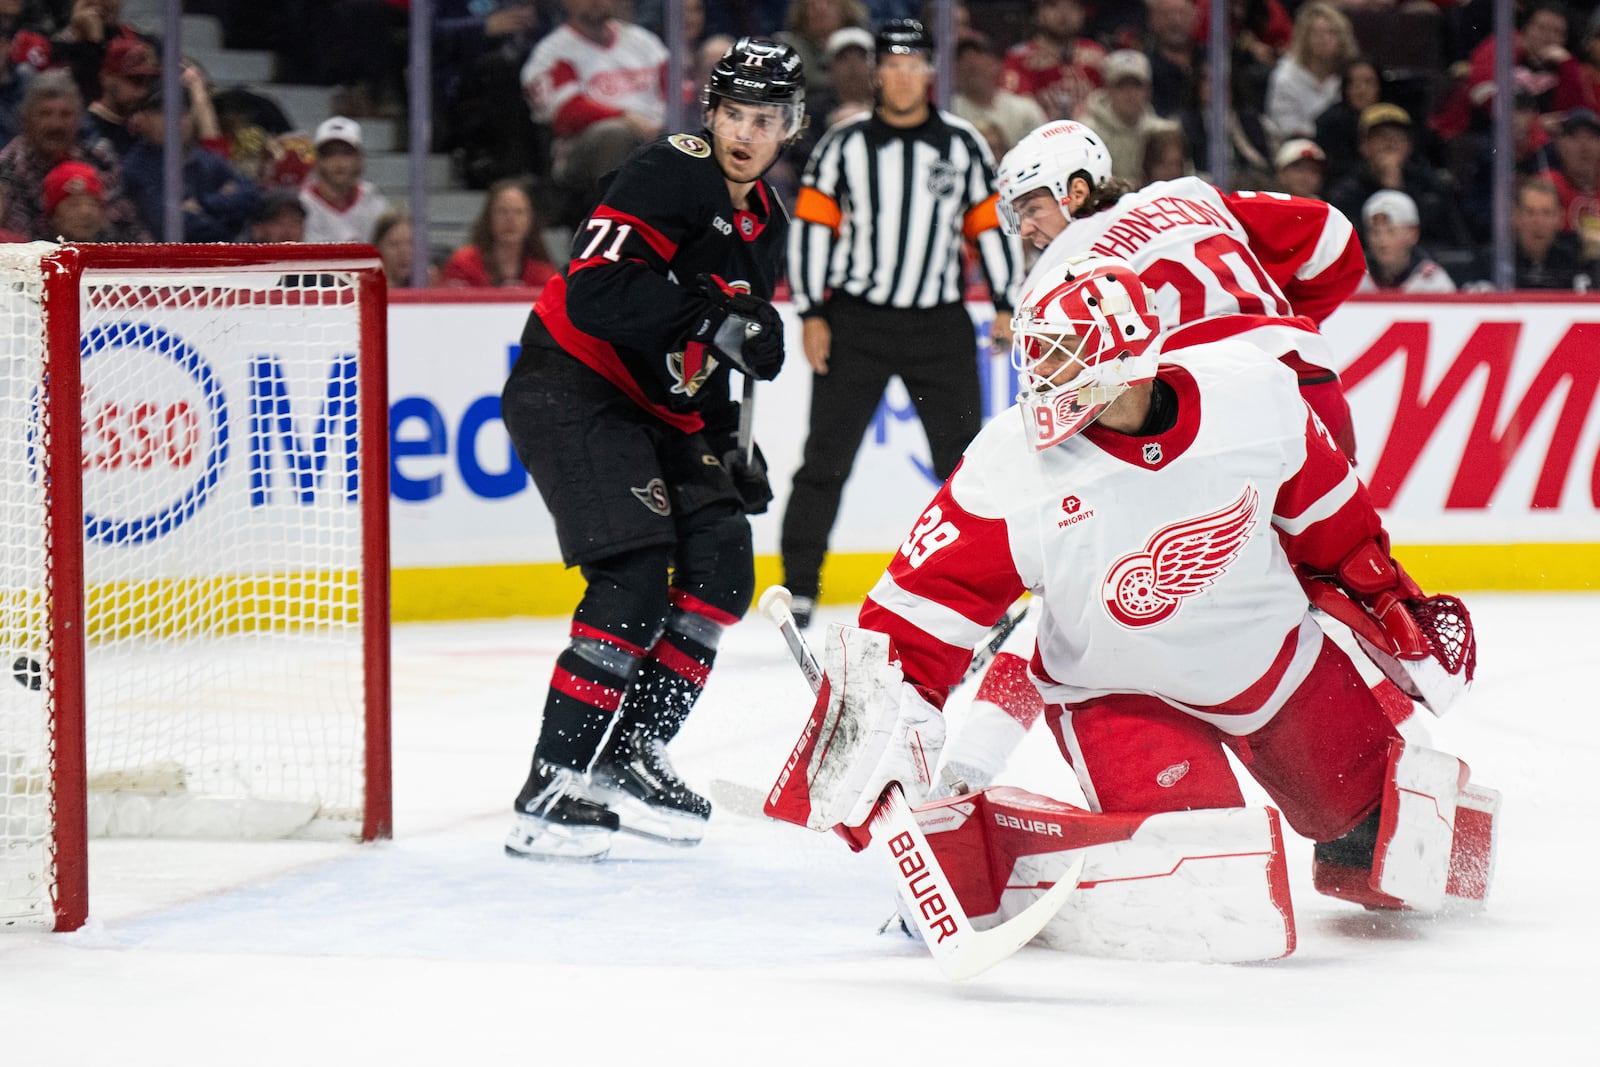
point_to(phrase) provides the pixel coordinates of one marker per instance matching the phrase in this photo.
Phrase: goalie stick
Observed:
(961, 950)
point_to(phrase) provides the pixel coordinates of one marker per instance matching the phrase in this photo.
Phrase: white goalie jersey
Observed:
(1165, 558)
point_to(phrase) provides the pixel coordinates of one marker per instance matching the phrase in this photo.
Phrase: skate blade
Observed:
(679, 830)
(534, 839)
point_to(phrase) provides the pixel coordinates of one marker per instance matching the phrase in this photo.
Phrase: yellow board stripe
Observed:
(437, 593)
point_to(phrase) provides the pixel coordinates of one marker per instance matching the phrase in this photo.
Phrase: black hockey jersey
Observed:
(628, 298)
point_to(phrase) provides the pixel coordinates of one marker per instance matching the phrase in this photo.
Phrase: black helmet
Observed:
(903, 37)
(760, 71)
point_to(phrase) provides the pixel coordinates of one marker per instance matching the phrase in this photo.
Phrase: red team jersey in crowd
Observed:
(1036, 70)
(574, 82)
(1164, 559)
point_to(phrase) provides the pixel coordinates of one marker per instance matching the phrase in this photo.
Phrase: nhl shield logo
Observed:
(653, 495)
(1152, 453)
(943, 179)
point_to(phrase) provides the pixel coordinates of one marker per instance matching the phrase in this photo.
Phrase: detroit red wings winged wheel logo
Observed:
(1178, 561)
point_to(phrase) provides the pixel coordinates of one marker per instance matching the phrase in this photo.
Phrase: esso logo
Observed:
(155, 433)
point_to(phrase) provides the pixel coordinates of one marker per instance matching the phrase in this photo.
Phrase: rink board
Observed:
(1475, 416)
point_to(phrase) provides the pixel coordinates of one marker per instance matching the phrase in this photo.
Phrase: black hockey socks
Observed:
(671, 678)
(586, 690)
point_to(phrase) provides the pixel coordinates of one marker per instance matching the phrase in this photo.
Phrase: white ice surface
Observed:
(759, 947)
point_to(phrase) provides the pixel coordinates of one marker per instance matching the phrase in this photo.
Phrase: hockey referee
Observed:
(875, 266)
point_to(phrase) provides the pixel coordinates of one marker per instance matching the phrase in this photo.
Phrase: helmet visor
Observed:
(737, 120)
(1037, 205)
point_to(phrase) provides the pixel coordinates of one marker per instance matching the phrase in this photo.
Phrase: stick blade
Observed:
(961, 951)
(980, 953)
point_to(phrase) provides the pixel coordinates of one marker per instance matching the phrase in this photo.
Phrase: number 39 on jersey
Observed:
(931, 533)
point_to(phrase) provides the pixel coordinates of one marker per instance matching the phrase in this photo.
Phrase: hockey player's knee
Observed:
(626, 602)
(716, 564)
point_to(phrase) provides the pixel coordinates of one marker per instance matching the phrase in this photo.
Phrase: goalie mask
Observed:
(765, 82)
(1049, 158)
(1081, 338)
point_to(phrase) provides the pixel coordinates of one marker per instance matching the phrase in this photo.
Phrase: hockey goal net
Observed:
(194, 586)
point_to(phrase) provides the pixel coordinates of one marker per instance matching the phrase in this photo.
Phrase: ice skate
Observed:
(635, 780)
(555, 821)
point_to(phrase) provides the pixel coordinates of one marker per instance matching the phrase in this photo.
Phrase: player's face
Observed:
(1060, 361)
(748, 138)
(1039, 217)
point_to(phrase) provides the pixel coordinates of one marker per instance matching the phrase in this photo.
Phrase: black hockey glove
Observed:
(744, 328)
(750, 478)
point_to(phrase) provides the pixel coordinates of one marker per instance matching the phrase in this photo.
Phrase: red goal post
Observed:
(194, 585)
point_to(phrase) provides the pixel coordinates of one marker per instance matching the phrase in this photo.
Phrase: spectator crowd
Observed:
(1381, 107)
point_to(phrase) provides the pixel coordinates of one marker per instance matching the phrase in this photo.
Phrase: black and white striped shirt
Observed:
(882, 213)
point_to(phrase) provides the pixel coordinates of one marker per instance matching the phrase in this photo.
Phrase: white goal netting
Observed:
(226, 637)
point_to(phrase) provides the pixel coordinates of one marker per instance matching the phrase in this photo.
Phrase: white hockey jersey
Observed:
(1161, 564)
(572, 81)
(1286, 260)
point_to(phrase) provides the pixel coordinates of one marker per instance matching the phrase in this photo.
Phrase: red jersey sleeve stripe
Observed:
(1323, 510)
(659, 243)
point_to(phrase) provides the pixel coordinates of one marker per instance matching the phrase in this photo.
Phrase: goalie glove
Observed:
(745, 329)
(1423, 644)
(868, 729)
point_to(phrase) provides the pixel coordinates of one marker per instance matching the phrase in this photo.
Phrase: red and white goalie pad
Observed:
(1205, 886)
(1423, 644)
(1436, 838)
(868, 728)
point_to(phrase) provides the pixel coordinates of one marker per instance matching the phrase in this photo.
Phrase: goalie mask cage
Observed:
(194, 587)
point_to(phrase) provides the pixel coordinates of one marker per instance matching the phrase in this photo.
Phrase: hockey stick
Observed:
(999, 634)
(747, 416)
(961, 950)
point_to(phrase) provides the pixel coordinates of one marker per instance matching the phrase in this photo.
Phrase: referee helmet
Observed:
(903, 37)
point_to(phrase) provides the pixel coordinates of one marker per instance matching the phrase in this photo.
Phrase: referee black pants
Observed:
(935, 353)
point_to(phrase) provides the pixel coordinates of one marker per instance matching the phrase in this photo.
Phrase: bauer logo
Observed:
(160, 442)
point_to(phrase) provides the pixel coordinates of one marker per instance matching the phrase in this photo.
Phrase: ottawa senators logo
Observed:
(1178, 561)
(690, 369)
(689, 145)
(653, 495)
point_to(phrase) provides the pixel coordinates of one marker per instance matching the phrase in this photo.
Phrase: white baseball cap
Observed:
(848, 37)
(1297, 150)
(1400, 208)
(338, 128)
(1125, 63)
